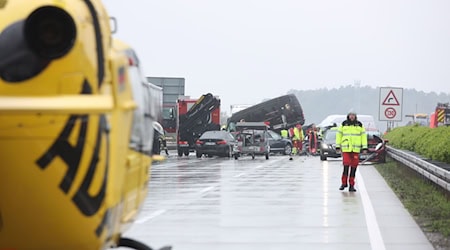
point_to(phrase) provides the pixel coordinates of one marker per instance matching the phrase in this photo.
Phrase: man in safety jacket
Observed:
(351, 139)
(284, 133)
(297, 139)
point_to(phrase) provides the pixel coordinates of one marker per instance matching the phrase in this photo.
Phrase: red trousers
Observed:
(350, 159)
(298, 144)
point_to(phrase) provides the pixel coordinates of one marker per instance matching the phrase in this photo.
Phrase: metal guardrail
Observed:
(430, 171)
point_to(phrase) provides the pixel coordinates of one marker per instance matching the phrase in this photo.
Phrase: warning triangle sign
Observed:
(391, 99)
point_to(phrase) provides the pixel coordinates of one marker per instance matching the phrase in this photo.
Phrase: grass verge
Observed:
(426, 202)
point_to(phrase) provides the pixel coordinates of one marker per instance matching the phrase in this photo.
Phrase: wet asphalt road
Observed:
(221, 203)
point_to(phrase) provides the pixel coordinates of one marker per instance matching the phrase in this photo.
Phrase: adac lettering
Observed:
(71, 155)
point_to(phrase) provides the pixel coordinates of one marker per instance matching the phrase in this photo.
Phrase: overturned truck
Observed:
(280, 112)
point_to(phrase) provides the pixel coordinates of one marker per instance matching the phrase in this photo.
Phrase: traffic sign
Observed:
(390, 113)
(391, 99)
(390, 108)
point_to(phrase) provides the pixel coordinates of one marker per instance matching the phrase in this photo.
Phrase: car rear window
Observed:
(330, 135)
(214, 135)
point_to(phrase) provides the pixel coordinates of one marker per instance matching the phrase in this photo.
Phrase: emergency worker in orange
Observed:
(351, 139)
(312, 136)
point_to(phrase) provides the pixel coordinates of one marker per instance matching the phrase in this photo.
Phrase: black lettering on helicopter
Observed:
(88, 204)
(71, 155)
(62, 148)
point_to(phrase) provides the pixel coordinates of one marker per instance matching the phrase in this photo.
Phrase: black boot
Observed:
(352, 189)
(342, 187)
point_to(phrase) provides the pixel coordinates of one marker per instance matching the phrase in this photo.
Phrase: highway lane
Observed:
(218, 203)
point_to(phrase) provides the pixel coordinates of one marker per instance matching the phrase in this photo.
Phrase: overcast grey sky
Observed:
(245, 51)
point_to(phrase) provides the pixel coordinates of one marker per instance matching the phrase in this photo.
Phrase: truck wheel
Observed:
(186, 152)
(180, 153)
(199, 155)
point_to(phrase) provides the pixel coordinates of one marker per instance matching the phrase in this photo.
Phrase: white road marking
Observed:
(239, 175)
(151, 216)
(376, 240)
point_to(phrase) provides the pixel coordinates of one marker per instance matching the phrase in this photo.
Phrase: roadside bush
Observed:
(433, 143)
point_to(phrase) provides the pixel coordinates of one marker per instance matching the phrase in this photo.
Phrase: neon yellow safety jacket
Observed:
(298, 134)
(284, 133)
(351, 137)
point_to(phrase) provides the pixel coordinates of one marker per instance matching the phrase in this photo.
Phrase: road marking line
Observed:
(376, 239)
(151, 216)
(260, 166)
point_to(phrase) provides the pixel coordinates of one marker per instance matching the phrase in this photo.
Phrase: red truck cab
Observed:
(195, 116)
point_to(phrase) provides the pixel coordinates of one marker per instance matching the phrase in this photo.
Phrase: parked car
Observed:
(279, 144)
(215, 143)
(328, 146)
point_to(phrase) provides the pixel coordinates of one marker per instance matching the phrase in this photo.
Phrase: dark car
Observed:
(279, 144)
(328, 144)
(373, 140)
(215, 143)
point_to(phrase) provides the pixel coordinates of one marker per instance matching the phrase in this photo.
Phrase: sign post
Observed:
(390, 109)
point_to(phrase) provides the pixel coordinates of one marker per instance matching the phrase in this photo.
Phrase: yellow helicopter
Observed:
(74, 133)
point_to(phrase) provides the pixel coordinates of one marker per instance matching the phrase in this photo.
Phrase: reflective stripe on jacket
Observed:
(351, 137)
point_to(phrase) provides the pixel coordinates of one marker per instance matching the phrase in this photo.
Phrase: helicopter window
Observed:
(142, 128)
